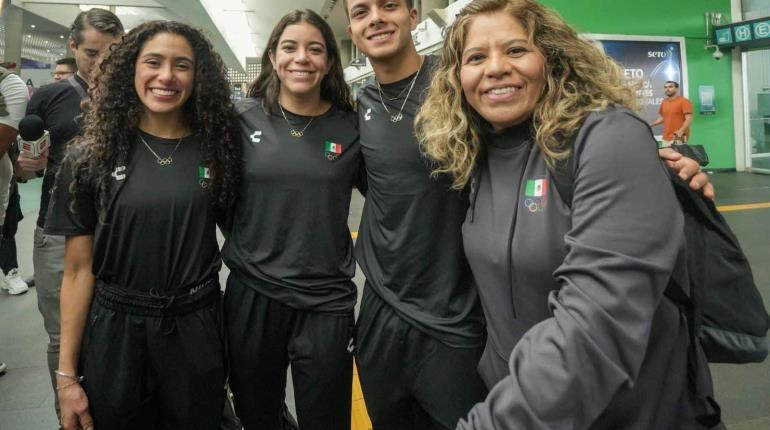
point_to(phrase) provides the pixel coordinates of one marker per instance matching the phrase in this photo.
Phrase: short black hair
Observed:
(102, 20)
(676, 84)
(69, 61)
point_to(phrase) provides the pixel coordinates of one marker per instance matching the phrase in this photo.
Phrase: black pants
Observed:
(13, 215)
(164, 373)
(265, 336)
(410, 380)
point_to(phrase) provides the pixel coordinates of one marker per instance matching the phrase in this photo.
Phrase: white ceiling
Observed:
(134, 12)
(237, 28)
(246, 24)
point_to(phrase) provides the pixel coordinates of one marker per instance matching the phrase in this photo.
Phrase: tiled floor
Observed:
(26, 402)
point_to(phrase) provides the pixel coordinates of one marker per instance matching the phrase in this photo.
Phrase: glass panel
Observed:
(755, 9)
(757, 81)
(758, 104)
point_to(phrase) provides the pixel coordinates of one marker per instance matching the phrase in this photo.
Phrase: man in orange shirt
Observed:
(675, 115)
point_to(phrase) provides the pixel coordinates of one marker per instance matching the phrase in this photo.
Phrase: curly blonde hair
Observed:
(579, 78)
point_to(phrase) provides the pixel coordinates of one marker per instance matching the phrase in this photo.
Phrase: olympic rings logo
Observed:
(331, 156)
(534, 205)
(204, 183)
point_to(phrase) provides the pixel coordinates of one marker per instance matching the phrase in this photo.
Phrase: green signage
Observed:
(762, 29)
(724, 36)
(742, 33)
(748, 34)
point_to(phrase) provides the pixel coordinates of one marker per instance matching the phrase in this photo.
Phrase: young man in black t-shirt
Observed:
(58, 105)
(420, 328)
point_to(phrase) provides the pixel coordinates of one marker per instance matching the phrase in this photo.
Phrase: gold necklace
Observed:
(163, 161)
(292, 130)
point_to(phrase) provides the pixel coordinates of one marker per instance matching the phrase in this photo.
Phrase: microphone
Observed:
(33, 138)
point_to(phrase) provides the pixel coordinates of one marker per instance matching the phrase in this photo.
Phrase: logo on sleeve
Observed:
(119, 173)
(535, 195)
(368, 114)
(332, 150)
(256, 137)
(204, 177)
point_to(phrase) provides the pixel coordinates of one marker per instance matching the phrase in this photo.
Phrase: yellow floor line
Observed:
(733, 208)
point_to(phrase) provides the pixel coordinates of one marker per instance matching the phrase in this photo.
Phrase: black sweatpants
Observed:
(265, 336)
(154, 373)
(13, 215)
(410, 380)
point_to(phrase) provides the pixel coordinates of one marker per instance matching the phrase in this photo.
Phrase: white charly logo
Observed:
(368, 114)
(256, 136)
(351, 345)
(118, 173)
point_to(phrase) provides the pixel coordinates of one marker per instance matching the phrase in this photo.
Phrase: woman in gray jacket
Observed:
(580, 333)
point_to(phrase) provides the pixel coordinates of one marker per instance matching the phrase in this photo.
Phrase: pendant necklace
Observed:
(292, 130)
(163, 161)
(398, 116)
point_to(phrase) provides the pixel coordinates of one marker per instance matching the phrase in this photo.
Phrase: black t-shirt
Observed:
(57, 104)
(290, 239)
(160, 228)
(410, 243)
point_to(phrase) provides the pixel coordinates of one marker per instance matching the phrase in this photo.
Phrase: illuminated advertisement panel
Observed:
(650, 61)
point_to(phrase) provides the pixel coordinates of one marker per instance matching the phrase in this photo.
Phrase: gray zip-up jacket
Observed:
(586, 338)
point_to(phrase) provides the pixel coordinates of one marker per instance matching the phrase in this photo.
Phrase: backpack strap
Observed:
(78, 88)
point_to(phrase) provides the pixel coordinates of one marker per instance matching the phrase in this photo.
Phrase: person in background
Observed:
(65, 68)
(675, 115)
(580, 334)
(138, 198)
(58, 104)
(13, 104)
(9, 262)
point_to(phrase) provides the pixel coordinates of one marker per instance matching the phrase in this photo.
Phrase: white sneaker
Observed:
(14, 283)
(2, 368)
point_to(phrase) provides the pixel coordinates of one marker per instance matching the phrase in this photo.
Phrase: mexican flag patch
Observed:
(536, 187)
(204, 173)
(331, 147)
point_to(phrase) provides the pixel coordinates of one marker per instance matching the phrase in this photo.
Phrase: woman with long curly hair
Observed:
(580, 334)
(139, 197)
(290, 295)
